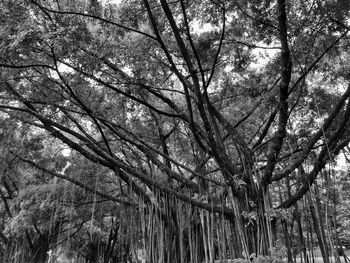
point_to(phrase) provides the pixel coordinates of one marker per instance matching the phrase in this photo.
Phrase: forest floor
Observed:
(318, 258)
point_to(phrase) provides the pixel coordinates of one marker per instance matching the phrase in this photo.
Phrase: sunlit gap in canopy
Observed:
(116, 2)
(66, 152)
(62, 68)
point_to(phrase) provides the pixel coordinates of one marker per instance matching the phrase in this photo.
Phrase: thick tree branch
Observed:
(286, 69)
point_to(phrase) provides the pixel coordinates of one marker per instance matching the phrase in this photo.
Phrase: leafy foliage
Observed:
(191, 117)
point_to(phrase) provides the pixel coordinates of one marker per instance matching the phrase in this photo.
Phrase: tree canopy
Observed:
(195, 116)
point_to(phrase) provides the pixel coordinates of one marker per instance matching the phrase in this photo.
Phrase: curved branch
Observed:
(26, 66)
(77, 183)
(94, 17)
(327, 123)
(218, 50)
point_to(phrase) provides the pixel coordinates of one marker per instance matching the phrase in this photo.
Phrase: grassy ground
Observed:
(318, 257)
(320, 260)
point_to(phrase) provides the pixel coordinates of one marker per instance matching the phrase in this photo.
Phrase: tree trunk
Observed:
(301, 236)
(318, 230)
(287, 240)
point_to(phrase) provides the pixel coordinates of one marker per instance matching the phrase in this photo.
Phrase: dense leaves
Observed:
(191, 117)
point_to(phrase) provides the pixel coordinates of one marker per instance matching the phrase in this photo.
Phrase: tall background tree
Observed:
(193, 129)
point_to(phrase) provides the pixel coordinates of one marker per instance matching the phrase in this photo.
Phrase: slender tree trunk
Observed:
(288, 241)
(318, 230)
(301, 236)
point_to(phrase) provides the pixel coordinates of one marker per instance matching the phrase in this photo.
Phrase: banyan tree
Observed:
(200, 124)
